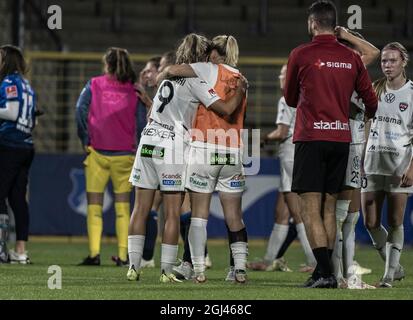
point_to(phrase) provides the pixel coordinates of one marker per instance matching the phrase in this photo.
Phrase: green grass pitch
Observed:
(109, 282)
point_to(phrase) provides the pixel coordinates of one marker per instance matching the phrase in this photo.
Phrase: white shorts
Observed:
(210, 169)
(159, 165)
(286, 172)
(353, 174)
(374, 182)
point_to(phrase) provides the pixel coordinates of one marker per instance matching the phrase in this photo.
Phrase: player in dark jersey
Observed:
(17, 120)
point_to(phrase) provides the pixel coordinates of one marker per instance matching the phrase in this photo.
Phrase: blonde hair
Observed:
(119, 64)
(193, 48)
(380, 84)
(227, 46)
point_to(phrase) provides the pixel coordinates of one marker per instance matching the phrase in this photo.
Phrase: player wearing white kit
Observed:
(162, 153)
(216, 161)
(348, 203)
(284, 133)
(388, 160)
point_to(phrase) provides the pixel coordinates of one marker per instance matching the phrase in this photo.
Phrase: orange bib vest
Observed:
(207, 121)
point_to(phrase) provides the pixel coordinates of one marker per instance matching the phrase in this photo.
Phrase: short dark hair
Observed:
(155, 61)
(325, 13)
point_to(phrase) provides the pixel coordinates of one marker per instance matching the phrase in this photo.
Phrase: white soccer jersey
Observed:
(177, 100)
(209, 71)
(286, 115)
(357, 125)
(389, 149)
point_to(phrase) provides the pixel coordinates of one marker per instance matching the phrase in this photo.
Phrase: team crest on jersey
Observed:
(11, 92)
(403, 106)
(390, 97)
(212, 92)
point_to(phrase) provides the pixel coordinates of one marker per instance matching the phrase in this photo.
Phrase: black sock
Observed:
(291, 235)
(323, 261)
(187, 252)
(151, 234)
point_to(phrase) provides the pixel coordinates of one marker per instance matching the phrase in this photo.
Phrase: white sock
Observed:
(337, 257)
(197, 236)
(278, 235)
(239, 253)
(394, 246)
(379, 238)
(135, 250)
(302, 236)
(169, 253)
(349, 240)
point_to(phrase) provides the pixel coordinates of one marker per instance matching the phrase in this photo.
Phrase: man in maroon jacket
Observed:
(321, 77)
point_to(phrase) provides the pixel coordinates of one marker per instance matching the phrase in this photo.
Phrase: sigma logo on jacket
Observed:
(330, 64)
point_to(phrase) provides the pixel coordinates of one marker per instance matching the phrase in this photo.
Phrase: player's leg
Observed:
(18, 203)
(151, 232)
(372, 199)
(197, 234)
(120, 168)
(9, 168)
(342, 207)
(97, 176)
(238, 239)
(395, 239)
(137, 230)
(172, 201)
(294, 207)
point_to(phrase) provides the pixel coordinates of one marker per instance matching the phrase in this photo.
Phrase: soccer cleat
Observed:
(279, 265)
(89, 261)
(240, 276)
(19, 258)
(385, 283)
(231, 274)
(132, 274)
(200, 278)
(361, 270)
(208, 262)
(399, 274)
(342, 283)
(4, 256)
(184, 271)
(119, 262)
(148, 263)
(325, 283)
(308, 283)
(168, 278)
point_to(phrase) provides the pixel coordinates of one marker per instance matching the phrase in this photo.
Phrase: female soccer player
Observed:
(216, 159)
(106, 119)
(162, 153)
(17, 121)
(388, 160)
(348, 203)
(284, 132)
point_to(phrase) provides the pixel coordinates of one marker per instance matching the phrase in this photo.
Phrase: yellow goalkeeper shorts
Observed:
(99, 168)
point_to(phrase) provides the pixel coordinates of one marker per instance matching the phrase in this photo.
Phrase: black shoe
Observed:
(119, 262)
(329, 282)
(89, 261)
(308, 283)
